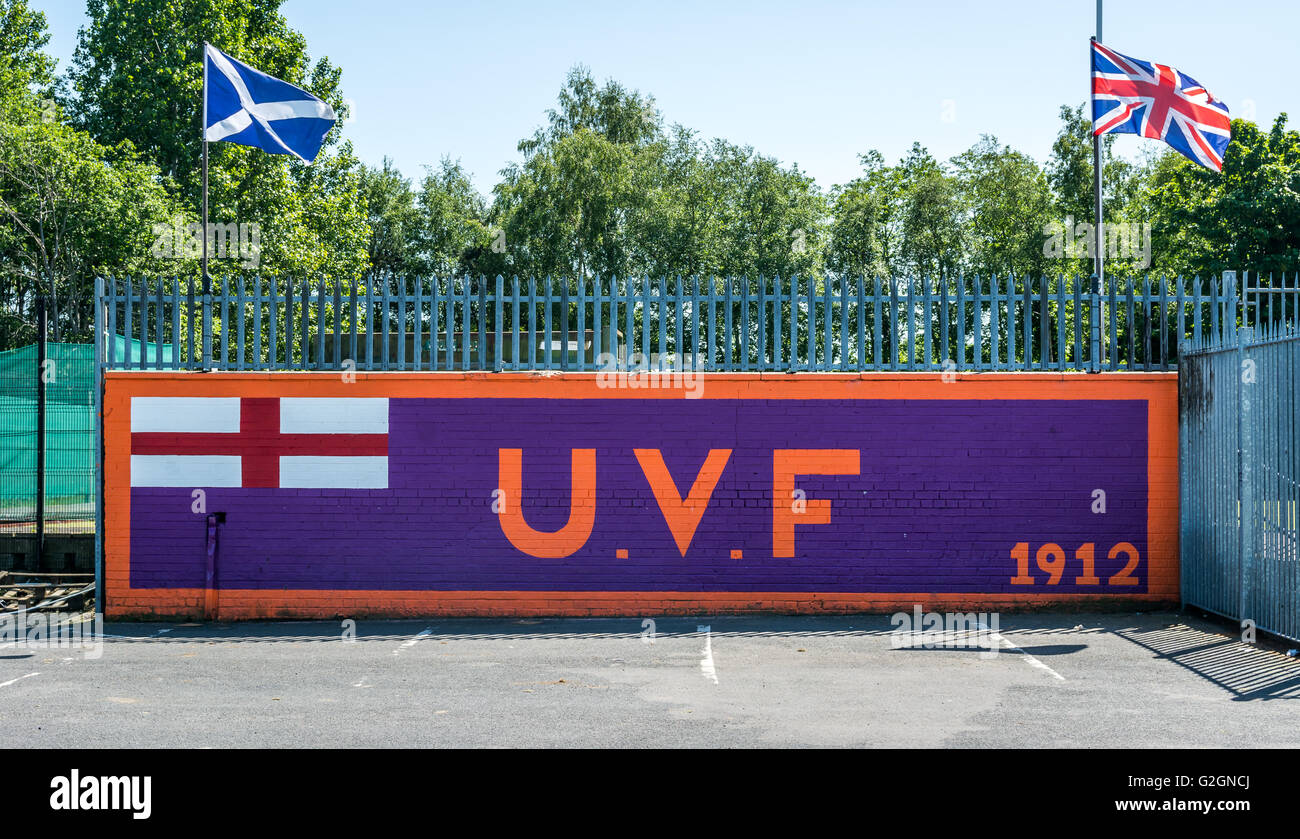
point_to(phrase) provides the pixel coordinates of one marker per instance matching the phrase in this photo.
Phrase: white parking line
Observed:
(19, 679)
(1029, 659)
(706, 663)
(411, 643)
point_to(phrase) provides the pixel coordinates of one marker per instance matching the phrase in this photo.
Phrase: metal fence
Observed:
(1239, 445)
(739, 324)
(47, 396)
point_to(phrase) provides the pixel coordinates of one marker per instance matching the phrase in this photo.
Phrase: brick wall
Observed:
(507, 494)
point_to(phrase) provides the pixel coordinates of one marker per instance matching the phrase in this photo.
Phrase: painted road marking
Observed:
(706, 663)
(1029, 659)
(411, 643)
(19, 679)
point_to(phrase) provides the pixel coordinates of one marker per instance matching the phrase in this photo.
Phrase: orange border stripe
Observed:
(1160, 390)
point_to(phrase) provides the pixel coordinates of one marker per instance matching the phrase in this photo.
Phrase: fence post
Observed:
(1245, 453)
(101, 339)
(1094, 320)
(41, 328)
(207, 327)
(498, 326)
(1184, 471)
(1234, 307)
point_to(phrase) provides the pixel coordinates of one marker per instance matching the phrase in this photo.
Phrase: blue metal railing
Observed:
(837, 324)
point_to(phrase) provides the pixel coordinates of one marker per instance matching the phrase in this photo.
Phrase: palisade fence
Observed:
(736, 324)
(1239, 462)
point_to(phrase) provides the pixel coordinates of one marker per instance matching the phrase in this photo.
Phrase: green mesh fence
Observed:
(69, 435)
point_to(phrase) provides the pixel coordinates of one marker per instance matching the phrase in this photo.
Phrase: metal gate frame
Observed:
(1239, 453)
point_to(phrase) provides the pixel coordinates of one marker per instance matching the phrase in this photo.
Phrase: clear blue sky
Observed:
(806, 82)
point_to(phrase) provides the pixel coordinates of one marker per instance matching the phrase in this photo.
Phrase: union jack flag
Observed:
(1130, 96)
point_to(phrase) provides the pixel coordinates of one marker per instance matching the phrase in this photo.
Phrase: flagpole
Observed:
(207, 288)
(1099, 238)
(207, 283)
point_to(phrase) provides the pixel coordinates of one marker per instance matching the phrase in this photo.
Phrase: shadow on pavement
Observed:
(1247, 672)
(1037, 627)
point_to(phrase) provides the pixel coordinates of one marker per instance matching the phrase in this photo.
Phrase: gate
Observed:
(1240, 479)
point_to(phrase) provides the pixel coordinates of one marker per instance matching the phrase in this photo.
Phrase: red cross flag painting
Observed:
(256, 442)
(1131, 96)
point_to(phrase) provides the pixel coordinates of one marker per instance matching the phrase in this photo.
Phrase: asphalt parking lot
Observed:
(1056, 680)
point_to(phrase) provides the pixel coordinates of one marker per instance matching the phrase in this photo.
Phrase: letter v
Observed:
(682, 516)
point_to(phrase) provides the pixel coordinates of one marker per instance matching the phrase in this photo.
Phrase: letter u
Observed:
(582, 506)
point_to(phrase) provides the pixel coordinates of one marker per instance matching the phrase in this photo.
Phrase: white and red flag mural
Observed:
(252, 442)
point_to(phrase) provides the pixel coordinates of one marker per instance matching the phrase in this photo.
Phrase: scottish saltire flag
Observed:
(246, 106)
(1131, 96)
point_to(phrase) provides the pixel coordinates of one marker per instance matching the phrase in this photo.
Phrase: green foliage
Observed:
(24, 68)
(863, 237)
(603, 190)
(1069, 170)
(138, 76)
(620, 116)
(1009, 202)
(454, 235)
(138, 70)
(771, 221)
(564, 211)
(392, 217)
(568, 209)
(930, 214)
(1247, 218)
(1070, 175)
(70, 208)
(983, 213)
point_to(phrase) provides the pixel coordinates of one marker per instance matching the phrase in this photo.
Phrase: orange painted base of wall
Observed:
(264, 605)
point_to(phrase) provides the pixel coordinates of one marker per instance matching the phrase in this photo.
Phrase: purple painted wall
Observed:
(946, 490)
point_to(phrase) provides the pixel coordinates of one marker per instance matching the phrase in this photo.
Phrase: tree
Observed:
(1009, 202)
(862, 234)
(1070, 174)
(1245, 218)
(564, 210)
(137, 75)
(568, 208)
(393, 219)
(677, 231)
(23, 65)
(70, 209)
(452, 234)
(620, 116)
(931, 215)
(772, 220)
